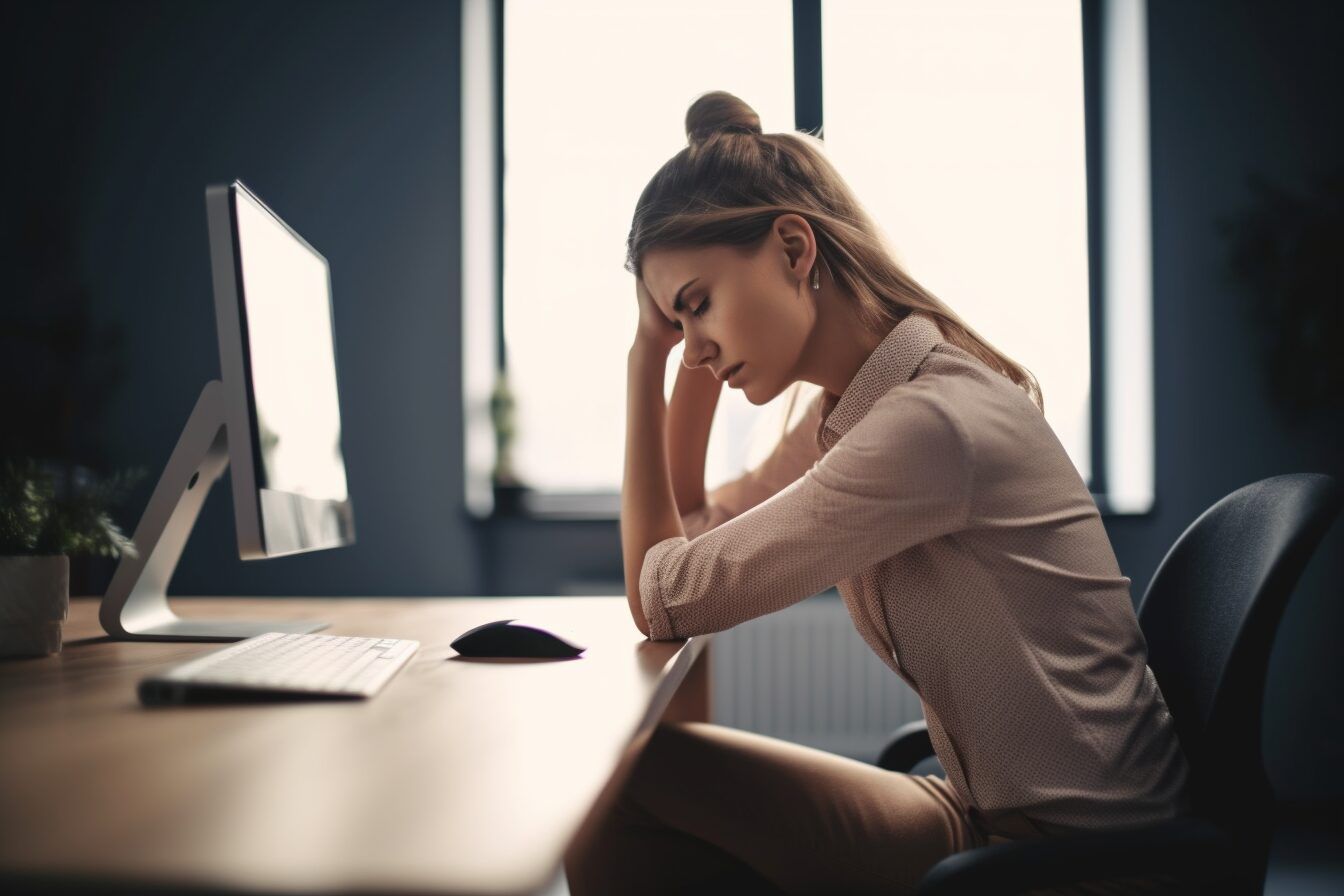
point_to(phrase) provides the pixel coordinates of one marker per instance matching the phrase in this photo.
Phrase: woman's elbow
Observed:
(637, 608)
(643, 626)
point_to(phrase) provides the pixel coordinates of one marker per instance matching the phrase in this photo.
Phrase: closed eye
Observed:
(696, 313)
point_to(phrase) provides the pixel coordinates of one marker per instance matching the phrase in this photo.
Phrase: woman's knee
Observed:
(681, 744)
(669, 754)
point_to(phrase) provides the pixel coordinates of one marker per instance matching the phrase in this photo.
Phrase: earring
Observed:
(816, 277)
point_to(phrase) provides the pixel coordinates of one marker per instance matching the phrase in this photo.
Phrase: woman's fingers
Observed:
(653, 326)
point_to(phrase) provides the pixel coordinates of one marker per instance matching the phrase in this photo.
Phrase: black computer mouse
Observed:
(509, 638)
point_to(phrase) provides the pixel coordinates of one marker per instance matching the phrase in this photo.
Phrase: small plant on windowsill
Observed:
(508, 490)
(45, 518)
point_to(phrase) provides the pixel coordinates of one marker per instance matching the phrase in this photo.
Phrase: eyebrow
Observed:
(677, 304)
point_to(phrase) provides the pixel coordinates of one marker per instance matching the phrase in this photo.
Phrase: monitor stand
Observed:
(135, 607)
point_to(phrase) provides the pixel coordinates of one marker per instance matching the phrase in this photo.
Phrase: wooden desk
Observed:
(461, 776)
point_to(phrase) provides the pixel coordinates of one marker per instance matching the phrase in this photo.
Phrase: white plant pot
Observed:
(34, 602)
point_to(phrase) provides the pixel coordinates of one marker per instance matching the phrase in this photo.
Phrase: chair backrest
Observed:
(1209, 617)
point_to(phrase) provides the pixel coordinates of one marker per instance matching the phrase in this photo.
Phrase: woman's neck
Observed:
(838, 345)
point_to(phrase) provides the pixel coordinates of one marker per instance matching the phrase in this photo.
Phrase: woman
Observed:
(926, 483)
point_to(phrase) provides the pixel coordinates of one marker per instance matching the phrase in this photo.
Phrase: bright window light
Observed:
(959, 125)
(595, 98)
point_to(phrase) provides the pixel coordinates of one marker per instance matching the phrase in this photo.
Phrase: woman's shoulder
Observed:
(981, 404)
(952, 373)
(1007, 437)
(948, 359)
(923, 411)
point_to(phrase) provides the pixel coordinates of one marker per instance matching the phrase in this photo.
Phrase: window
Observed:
(967, 128)
(960, 127)
(594, 94)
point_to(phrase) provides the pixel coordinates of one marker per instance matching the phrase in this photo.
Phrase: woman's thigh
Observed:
(730, 805)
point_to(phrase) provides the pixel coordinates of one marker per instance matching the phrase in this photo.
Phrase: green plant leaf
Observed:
(39, 516)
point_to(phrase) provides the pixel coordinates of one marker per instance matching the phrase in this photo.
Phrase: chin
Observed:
(759, 398)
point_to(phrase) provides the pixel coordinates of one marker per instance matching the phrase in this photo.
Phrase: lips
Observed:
(732, 372)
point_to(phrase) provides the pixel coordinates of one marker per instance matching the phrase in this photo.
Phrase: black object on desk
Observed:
(509, 638)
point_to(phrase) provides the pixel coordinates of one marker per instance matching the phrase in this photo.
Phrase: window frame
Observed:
(1114, 43)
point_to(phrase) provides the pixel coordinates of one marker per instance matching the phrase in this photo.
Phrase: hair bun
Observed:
(717, 112)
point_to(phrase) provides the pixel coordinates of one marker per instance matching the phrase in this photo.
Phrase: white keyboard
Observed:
(277, 663)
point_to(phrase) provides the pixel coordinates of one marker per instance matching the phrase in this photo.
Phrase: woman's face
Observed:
(745, 309)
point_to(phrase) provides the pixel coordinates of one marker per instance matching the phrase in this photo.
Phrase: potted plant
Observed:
(44, 519)
(508, 489)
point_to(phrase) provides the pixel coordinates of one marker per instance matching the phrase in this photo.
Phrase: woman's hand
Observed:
(655, 332)
(648, 505)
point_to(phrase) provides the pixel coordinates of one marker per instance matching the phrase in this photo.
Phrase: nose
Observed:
(698, 351)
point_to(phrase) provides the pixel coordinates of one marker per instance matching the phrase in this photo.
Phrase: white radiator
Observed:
(805, 675)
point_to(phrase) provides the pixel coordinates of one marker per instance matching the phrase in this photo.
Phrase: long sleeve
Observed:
(899, 477)
(797, 450)
(972, 559)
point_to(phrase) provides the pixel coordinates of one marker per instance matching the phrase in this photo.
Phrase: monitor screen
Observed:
(288, 304)
(288, 466)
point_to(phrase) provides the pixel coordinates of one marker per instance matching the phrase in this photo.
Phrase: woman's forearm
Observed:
(689, 415)
(648, 509)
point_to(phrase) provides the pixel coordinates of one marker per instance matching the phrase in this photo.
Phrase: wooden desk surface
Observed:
(461, 776)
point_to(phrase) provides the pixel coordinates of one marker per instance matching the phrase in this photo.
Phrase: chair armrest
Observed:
(1189, 848)
(908, 745)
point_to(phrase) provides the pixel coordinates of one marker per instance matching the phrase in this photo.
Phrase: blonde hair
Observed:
(730, 183)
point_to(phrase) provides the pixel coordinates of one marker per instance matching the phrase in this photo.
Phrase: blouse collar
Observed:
(893, 362)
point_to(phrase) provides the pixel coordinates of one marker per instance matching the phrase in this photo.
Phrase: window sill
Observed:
(600, 506)
(525, 504)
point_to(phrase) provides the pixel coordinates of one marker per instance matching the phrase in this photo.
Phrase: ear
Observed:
(799, 243)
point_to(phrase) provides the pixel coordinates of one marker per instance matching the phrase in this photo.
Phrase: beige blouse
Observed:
(971, 557)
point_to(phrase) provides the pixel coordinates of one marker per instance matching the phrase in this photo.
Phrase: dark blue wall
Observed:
(1243, 89)
(344, 117)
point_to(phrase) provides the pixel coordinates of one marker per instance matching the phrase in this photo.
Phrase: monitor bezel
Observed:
(269, 522)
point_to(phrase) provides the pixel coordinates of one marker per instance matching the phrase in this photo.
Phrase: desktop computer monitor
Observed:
(273, 311)
(273, 420)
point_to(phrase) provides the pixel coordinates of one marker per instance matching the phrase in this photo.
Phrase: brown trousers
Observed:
(709, 809)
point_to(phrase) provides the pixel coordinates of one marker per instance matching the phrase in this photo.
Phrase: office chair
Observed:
(1209, 617)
